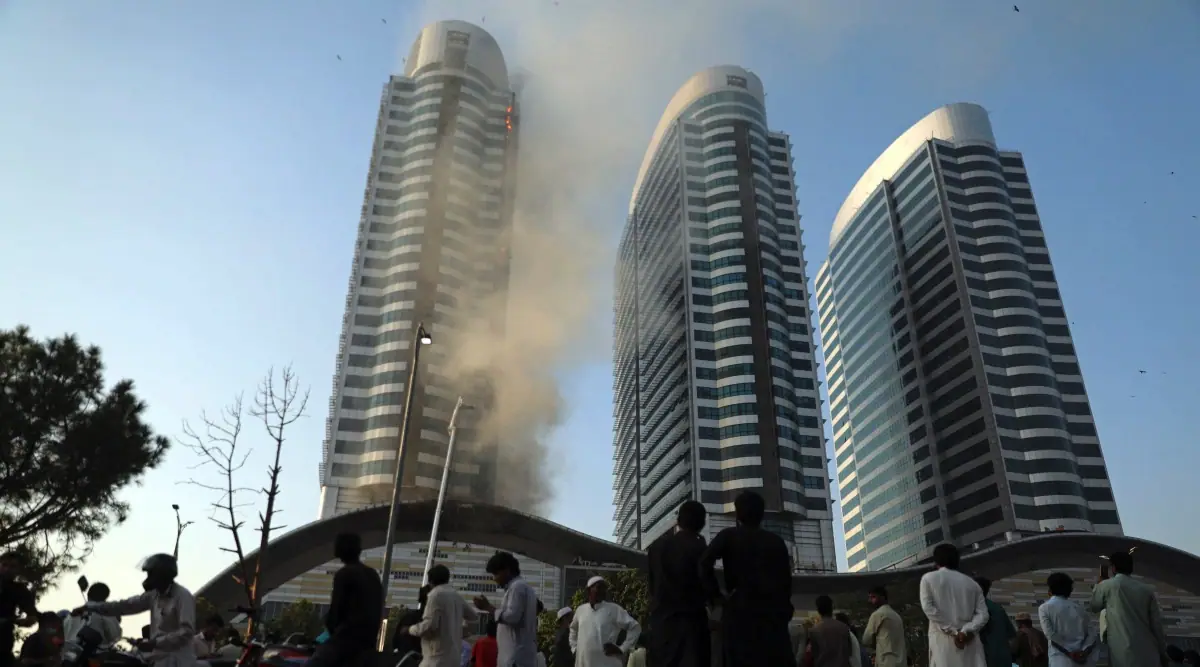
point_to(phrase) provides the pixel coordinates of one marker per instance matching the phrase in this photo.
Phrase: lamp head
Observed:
(423, 336)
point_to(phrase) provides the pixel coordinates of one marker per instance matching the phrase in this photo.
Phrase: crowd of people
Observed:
(965, 627)
(172, 639)
(746, 620)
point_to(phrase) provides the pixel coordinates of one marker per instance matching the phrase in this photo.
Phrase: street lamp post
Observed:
(180, 525)
(452, 429)
(420, 338)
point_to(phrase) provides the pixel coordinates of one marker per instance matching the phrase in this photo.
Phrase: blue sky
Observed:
(180, 185)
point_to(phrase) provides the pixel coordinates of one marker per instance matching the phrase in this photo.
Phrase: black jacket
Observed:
(354, 607)
(562, 655)
(403, 642)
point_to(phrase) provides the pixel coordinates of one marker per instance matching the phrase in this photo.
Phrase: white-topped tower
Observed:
(958, 406)
(432, 247)
(715, 387)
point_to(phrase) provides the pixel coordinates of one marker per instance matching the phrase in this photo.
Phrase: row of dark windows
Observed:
(389, 443)
(725, 497)
(731, 452)
(388, 467)
(383, 337)
(980, 521)
(756, 472)
(734, 370)
(421, 81)
(1050, 443)
(392, 420)
(1019, 466)
(1061, 488)
(720, 297)
(726, 411)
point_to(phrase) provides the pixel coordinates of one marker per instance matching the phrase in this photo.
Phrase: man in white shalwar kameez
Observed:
(441, 624)
(957, 611)
(596, 627)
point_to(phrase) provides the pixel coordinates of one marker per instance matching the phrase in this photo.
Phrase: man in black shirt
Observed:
(562, 655)
(404, 643)
(353, 619)
(44, 647)
(758, 578)
(678, 611)
(17, 606)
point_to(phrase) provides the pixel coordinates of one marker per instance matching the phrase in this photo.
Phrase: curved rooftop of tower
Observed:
(962, 122)
(483, 53)
(711, 80)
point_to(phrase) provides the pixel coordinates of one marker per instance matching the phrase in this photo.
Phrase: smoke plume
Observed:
(599, 75)
(597, 78)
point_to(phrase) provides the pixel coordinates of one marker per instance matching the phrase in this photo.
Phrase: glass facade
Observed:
(958, 408)
(432, 247)
(715, 387)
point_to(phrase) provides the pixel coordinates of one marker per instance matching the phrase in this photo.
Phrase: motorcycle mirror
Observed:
(83, 584)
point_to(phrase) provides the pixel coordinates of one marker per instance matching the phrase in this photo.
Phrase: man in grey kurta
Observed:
(1133, 617)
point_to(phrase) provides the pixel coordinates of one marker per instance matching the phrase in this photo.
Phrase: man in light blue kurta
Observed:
(517, 617)
(1067, 627)
(1133, 617)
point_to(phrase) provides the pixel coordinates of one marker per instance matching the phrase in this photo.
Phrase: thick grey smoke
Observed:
(598, 77)
(600, 73)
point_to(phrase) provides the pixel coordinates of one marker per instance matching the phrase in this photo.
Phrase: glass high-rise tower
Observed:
(432, 247)
(958, 406)
(715, 387)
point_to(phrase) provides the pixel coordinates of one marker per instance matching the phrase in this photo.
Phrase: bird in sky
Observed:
(339, 57)
(1141, 371)
(1016, 8)
(384, 20)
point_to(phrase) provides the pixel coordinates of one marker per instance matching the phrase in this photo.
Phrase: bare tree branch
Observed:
(218, 448)
(278, 403)
(278, 406)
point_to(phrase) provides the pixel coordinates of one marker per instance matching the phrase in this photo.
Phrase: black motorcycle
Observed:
(82, 648)
(86, 648)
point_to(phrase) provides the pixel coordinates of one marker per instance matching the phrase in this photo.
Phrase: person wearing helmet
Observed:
(172, 613)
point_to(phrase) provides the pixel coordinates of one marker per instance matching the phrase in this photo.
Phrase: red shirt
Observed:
(484, 653)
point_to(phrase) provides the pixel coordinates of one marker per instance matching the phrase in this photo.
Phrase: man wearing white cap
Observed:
(596, 627)
(562, 655)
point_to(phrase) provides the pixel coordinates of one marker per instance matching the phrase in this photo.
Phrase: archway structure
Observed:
(310, 546)
(1046, 551)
